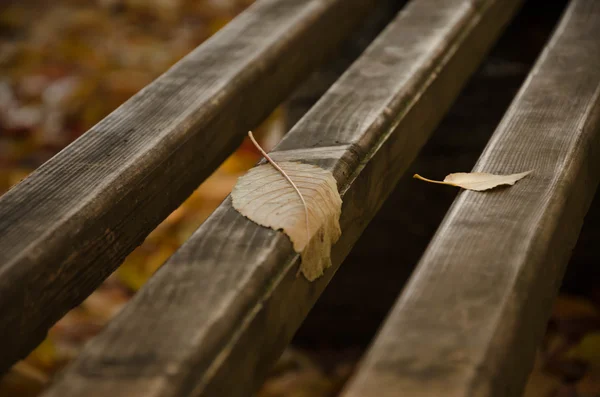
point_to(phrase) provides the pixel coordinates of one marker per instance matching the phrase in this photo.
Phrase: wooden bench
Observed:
(217, 315)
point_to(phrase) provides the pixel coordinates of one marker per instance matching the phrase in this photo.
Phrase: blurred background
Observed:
(65, 65)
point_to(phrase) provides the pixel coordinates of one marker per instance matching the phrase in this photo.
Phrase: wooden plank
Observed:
(65, 228)
(315, 86)
(410, 216)
(216, 316)
(469, 321)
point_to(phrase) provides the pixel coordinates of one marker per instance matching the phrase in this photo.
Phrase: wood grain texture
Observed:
(65, 228)
(215, 317)
(407, 221)
(315, 86)
(472, 315)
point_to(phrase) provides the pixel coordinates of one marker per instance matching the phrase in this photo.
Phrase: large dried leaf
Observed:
(264, 196)
(477, 181)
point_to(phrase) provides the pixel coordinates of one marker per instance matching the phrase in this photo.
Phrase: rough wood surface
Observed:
(408, 219)
(214, 318)
(314, 87)
(65, 228)
(469, 321)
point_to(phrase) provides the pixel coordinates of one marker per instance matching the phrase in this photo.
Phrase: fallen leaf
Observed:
(298, 384)
(23, 380)
(477, 181)
(587, 350)
(266, 197)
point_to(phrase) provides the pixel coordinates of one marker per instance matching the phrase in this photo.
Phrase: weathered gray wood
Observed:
(407, 221)
(315, 86)
(68, 226)
(215, 317)
(469, 321)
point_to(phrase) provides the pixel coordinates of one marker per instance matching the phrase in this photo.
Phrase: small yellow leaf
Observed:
(588, 349)
(266, 197)
(477, 181)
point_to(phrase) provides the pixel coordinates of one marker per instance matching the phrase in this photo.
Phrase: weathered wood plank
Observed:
(67, 227)
(216, 316)
(470, 319)
(315, 86)
(407, 221)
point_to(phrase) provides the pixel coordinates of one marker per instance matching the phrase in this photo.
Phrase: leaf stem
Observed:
(417, 176)
(278, 168)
